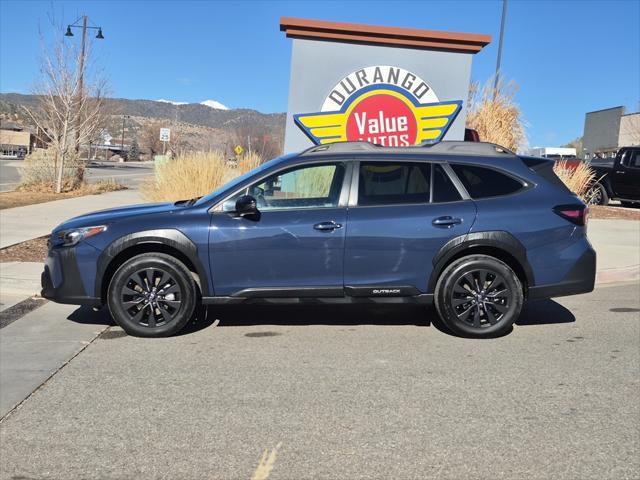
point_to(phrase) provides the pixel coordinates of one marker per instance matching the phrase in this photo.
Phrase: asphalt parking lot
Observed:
(130, 175)
(342, 392)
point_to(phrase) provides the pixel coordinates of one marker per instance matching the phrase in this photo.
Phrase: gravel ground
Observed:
(610, 211)
(30, 251)
(346, 393)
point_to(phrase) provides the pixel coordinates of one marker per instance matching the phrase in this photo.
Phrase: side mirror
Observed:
(247, 206)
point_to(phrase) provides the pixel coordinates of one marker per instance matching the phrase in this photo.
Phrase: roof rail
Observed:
(446, 148)
(340, 147)
(468, 148)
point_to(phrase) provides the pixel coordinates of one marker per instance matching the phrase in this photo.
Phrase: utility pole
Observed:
(497, 76)
(124, 117)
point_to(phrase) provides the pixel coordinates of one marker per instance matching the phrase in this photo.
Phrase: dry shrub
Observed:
(39, 170)
(193, 175)
(248, 162)
(101, 186)
(496, 120)
(578, 178)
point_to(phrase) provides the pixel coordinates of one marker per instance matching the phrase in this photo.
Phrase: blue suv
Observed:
(471, 227)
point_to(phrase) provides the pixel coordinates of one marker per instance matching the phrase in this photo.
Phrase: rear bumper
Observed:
(580, 279)
(61, 281)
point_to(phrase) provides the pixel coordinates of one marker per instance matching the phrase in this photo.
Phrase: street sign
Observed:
(165, 134)
(239, 150)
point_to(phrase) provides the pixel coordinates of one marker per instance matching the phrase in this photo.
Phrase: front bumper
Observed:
(61, 280)
(580, 279)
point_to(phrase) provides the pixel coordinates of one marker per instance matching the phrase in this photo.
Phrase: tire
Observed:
(456, 290)
(140, 305)
(597, 195)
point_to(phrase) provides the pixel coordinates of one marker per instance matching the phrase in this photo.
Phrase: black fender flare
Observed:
(168, 236)
(497, 239)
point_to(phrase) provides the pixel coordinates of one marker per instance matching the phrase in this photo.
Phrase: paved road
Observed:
(345, 393)
(9, 177)
(131, 176)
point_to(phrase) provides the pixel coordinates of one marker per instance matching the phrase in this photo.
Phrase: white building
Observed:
(558, 153)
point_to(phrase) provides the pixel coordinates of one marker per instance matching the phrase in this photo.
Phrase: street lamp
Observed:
(99, 36)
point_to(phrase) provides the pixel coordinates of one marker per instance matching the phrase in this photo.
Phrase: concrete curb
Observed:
(614, 275)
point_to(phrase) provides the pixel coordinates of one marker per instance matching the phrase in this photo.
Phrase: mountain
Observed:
(209, 113)
(207, 103)
(214, 104)
(171, 102)
(200, 126)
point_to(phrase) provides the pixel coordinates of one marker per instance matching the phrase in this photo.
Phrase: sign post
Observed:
(165, 136)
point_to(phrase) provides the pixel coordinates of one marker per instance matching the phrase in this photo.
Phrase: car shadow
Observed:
(293, 315)
(544, 312)
(541, 312)
(89, 316)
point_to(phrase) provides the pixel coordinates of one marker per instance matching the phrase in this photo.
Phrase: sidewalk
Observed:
(25, 223)
(617, 244)
(18, 280)
(36, 346)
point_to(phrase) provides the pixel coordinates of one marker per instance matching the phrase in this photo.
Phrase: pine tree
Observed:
(134, 151)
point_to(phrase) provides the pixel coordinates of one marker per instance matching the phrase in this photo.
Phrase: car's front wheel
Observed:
(479, 296)
(152, 295)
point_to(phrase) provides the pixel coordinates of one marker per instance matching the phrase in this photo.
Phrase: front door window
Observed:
(311, 186)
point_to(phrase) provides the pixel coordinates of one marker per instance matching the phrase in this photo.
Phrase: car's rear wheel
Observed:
(479, 296)
(152, 295)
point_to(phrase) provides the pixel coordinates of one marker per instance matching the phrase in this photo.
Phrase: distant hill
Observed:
(200, 126)
(194, 113)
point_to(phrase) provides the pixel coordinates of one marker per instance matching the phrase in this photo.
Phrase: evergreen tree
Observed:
(134, 151)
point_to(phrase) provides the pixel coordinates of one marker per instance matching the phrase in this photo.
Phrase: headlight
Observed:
(68, 238)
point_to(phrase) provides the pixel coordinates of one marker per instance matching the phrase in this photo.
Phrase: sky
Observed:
(567, 57)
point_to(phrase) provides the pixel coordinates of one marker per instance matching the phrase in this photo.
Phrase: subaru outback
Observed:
(470, 227)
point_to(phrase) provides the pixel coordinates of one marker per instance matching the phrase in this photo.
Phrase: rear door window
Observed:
(392, 183)
(483, 182)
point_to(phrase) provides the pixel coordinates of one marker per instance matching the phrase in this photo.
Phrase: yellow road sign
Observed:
(239, 150)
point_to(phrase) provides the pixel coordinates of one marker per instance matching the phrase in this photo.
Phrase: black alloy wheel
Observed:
(479, 296)
(152, 295)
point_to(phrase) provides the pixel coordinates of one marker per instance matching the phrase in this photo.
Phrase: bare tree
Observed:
(65, 111)
(256, 138)
(149, 137)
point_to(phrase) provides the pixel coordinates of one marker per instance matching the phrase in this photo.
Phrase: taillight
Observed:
(576, 214)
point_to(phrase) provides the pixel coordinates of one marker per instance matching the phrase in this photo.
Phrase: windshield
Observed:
(238, 180)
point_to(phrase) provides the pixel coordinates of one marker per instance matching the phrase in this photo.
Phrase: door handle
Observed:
(620, 171)
(446, 221)
(327, 226)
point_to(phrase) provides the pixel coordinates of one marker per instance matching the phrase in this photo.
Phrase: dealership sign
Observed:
(385, 105)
